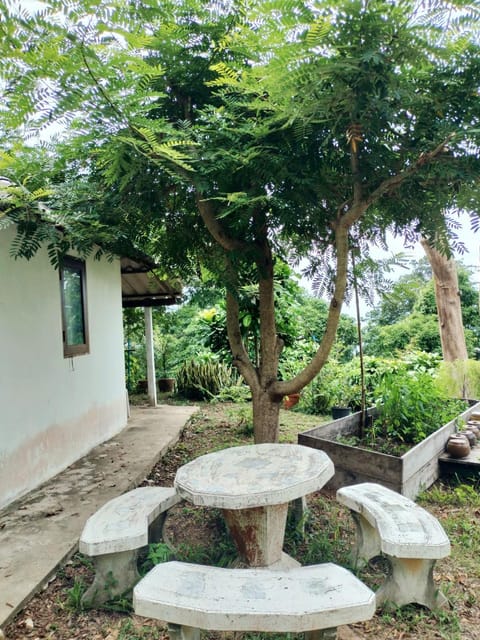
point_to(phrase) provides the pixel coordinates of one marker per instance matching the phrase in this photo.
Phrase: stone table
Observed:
(253, 485)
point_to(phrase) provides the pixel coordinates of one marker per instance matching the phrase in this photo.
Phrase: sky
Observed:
(395, 245)
(471, 258)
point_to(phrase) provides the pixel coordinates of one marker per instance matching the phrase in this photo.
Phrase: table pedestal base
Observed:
(285, 562)
(258, 533)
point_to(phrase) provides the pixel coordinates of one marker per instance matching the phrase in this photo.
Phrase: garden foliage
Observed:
(227, 134)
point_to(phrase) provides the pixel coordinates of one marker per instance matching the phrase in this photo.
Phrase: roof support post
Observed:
(152, 383)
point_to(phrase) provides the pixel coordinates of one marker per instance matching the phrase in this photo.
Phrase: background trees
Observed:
(229, 134)
(406, 316)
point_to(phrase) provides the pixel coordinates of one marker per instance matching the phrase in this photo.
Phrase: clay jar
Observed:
(471, 426)
(458, 446)
(470, 437)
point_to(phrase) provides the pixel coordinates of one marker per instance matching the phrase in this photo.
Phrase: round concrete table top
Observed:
(255, 475)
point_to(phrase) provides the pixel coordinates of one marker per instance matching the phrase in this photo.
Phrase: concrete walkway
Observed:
(42, 529)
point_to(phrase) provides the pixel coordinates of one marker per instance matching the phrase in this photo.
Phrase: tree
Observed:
(406, 317)
(400, 299)
(413, 333)
(449, 308)
(272, 128)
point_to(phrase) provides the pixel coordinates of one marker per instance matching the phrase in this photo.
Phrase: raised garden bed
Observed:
(408, 474)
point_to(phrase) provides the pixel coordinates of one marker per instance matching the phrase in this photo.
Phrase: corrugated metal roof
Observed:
(141, 286)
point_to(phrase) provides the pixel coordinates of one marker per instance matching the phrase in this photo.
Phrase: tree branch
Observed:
(358, 209)
(240, 356)
(216, 230)
(102, 91)
(270, 344)
(390, 183)
(355, 137)
(312, 369)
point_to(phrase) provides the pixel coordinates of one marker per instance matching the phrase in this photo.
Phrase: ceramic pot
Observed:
(474, 428)
(470, 437)
(291, 400)
(142, 386)
(458, 446)
(340, 412)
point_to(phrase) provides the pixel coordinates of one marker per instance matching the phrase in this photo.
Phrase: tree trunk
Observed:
(265, 416)
(449, 309)
(267, 390)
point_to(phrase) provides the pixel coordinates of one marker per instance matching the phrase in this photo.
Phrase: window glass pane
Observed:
(73, 305)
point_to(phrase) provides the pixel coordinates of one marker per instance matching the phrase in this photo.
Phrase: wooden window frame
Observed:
(79, 266)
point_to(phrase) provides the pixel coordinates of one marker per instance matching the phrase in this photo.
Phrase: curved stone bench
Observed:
(410, 537)
(114, 534)
(314, 599)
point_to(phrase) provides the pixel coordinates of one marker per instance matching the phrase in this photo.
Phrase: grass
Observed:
(456, 493)
(130, 631)
(325, 534)
(74, 595)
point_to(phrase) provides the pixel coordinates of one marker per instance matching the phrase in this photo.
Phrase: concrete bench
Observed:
(410, 537)
(114, 534)
(314, 599)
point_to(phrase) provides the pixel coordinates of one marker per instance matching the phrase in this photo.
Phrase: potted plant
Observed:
(335, 390)
(165, 384)
(344, 397)
(340, 411)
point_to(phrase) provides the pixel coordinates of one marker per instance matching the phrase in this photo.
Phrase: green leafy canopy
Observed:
(225, 133)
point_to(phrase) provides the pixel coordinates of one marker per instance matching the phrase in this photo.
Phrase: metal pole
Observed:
(360, 349)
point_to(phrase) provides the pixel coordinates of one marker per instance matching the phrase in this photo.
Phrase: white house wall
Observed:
(54, 409)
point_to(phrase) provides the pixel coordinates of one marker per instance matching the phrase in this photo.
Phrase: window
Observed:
(74, 307)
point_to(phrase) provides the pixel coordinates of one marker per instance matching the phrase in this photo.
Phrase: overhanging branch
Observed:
(217, 231)
(312, 369)
(390, 183)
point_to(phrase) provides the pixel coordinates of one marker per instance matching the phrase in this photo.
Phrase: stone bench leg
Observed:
(367, 541)
(411, 580)
(115, 574)
(155, 530)
(182, 632)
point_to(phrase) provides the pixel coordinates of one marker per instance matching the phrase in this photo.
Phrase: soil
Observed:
(199, 535)
(379, 445)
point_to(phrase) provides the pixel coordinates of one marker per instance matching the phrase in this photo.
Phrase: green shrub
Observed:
(460, 379)
(135, 366)
(340, 384)
(411, 406)
(203, 380)
(238, 391)
(331, 387)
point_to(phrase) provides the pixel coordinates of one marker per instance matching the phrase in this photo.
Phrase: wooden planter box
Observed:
(166, 384)
(408, 474)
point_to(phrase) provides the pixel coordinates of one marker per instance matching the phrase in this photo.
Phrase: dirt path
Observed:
(200, 535)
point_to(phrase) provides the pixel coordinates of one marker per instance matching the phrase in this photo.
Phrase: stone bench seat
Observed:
(114, 534)
(410, 537)
(314, 599)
